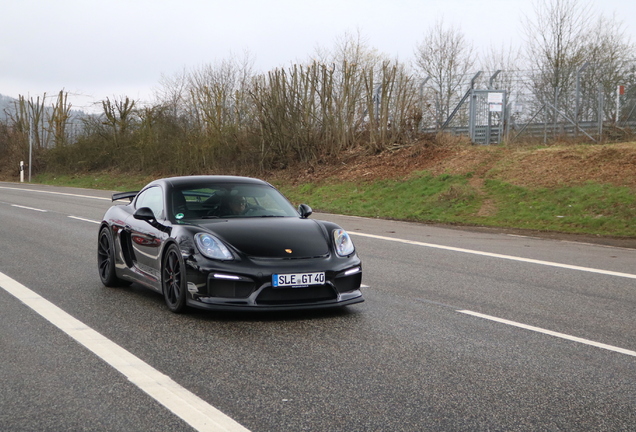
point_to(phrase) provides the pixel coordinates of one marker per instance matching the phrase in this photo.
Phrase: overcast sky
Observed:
(97, 49)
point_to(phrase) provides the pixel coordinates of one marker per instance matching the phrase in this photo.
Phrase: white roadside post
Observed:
(21, 171)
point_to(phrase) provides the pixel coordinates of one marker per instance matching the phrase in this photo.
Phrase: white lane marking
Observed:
(29, 208)
(496, 255)
(55, 193)
(189, 407)
(84, 219)
(551, 333)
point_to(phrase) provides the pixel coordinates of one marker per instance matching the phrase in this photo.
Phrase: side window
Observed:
(152, 198)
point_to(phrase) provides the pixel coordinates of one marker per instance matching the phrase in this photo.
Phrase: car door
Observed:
(146, 238)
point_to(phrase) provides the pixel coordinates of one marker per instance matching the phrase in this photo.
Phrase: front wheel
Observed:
(173, 279)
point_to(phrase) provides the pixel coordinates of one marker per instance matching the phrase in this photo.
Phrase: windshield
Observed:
(229, 201)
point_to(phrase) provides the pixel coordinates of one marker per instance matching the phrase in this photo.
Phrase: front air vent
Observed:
(282, 296)
(262, 259)
(230, 288)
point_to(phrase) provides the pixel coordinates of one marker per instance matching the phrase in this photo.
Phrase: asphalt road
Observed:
(460, 331)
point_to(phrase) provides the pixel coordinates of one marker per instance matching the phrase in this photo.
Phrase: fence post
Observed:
(600, 112)
(557, 90)
(421, 126)
(492, 79)
(578, 97)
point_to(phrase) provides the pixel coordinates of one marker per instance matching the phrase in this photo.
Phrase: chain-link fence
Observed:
(583, 104)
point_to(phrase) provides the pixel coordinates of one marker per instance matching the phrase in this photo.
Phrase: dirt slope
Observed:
(545, 167)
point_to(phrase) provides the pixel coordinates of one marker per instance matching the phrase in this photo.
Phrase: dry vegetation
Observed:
(554, 166)
(533, 167)
(557, 165)
(545, 167)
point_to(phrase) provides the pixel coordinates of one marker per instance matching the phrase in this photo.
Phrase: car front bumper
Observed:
(248, 285)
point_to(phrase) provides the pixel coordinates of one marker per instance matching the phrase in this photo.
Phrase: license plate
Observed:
(298, 279)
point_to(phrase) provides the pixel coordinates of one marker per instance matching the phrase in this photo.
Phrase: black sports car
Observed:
(224, 242)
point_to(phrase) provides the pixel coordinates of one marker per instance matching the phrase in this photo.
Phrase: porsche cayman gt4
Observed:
(226, 243)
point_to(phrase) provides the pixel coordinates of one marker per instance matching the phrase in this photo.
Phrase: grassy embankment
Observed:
(592, 208)
(476, 194)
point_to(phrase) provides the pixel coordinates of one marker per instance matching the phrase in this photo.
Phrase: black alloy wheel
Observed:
(106, 259)
(173, 279)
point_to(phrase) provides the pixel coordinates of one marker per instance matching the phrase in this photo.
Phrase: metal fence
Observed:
(508, 105)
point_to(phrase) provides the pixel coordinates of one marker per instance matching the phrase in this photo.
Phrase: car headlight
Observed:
(343, 243)
(212, 247)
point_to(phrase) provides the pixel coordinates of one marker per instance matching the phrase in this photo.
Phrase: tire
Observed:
(106, 259)
(173, 279)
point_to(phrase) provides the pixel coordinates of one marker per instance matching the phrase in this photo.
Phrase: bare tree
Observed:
(556, 37)
(59, 119)
(445, 57)
(351, 61)
(391, 106)
(351, 49)
(219, 93)
(172, 92)
(506, 61)
(609, 55)
(29, 117)
(120, 116)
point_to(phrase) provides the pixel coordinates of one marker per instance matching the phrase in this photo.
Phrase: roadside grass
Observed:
(444, 198)
(592, 208)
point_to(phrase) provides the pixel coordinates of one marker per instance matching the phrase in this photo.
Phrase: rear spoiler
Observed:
(124, 195)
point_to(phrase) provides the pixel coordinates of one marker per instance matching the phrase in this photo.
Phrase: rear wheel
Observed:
(173, 279)
(106, 259)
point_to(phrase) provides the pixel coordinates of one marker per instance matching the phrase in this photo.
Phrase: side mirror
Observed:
(145, 214)
(305, 211)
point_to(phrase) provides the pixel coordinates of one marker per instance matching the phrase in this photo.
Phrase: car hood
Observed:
(285, 237)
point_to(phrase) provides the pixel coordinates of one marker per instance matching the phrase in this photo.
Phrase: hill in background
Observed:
(6, 103)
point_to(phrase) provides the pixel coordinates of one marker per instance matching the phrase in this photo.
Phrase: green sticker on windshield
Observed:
(179, 215)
